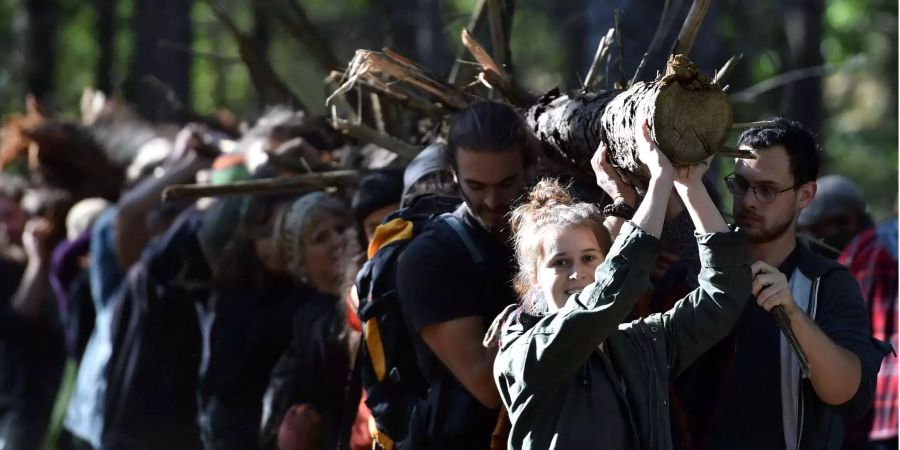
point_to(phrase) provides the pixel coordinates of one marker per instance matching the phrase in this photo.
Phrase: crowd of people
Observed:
(468, 298)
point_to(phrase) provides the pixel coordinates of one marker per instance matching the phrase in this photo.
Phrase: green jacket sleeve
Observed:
(707, 314)
(554, 348)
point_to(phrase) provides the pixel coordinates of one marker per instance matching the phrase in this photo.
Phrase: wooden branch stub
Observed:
(482, 56)
(691, 27)
(475, 22)
(761, 123)
(295, 184)
(727, 69)
(366, 134)
(593, 75)
(619, 44)
(735, 153)
(497, 12)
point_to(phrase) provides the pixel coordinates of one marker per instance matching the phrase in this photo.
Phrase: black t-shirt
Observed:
(438, 281)
(750, 406)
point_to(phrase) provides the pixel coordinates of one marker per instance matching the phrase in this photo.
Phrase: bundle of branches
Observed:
(688, 113)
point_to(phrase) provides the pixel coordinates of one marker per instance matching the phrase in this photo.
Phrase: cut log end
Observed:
(691, 125)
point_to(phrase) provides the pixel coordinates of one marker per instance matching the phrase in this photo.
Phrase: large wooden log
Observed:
(688, 116)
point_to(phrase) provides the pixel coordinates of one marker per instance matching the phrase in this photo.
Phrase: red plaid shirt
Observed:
(875, 268)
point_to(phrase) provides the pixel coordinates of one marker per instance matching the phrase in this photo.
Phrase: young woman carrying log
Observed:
(569, 372)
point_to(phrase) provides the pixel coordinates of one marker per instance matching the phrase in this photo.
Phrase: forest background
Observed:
(832, 64)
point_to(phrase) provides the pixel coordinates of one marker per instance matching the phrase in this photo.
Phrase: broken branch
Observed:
(691, 27)
(726, 70)
(593, 76)
(294, 184)
(475, 22)
(366, 134)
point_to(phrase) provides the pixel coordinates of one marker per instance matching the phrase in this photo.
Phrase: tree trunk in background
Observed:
(572, 15)
(261, 38)
(106, 43)
(159, 82)
(40, 47)
(802, 100)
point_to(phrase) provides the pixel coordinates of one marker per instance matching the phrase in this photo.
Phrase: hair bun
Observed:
(548, 192)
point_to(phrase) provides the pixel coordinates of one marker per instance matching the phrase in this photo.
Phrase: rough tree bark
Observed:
(688, 116)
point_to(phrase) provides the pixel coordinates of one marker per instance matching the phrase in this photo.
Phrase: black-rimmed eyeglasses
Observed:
(738, 187)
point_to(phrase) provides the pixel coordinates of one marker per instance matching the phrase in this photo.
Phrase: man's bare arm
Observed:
(458, 344)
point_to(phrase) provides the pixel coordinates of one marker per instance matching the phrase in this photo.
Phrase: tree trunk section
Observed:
(105, 11)
(802, 100)
(688, 118)
(159, 82)
(40, 44)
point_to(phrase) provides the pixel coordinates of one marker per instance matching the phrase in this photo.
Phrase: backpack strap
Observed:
(457, 226)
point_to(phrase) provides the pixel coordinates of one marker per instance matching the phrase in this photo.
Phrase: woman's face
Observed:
(323, 258)
(571, 255)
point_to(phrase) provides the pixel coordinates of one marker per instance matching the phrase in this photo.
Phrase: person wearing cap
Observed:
(428, 174)
(377, 196)
(835, 215)
(766, 401)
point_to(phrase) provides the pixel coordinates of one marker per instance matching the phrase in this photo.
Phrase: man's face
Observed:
(490, 182)
(766, 222)
(12, 220)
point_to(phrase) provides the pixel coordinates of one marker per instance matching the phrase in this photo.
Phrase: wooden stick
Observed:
(496, 13)
(494, 75)
(726, 70)
(475, 22)
(691, 27)
(750, 94)
(593, 75)
(761, 123)
(637, 73)
(482, 56)
(366, 134)
(666, 18)
(735, 153)
(619, 43)
(300, 183)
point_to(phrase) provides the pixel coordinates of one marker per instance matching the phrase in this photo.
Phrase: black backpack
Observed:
(386, 361)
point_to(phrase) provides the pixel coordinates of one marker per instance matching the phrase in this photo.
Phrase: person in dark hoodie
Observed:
(304, 402)
(569, 372)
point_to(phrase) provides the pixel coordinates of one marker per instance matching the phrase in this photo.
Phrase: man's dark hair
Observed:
(803, 153)
(489, 127)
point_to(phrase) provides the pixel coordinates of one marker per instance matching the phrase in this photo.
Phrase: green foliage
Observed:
(860, 136)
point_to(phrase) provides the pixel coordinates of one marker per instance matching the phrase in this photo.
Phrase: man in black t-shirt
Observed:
(453, 282)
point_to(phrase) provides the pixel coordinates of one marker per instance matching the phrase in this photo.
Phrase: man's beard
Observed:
(768, 234)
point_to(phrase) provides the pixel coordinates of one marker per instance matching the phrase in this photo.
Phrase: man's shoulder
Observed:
(814, 266)
(436, 243)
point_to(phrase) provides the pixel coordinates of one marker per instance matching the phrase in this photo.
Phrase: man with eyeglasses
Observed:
(766, 402)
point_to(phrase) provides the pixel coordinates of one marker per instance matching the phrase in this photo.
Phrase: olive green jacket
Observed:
(544, 362)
